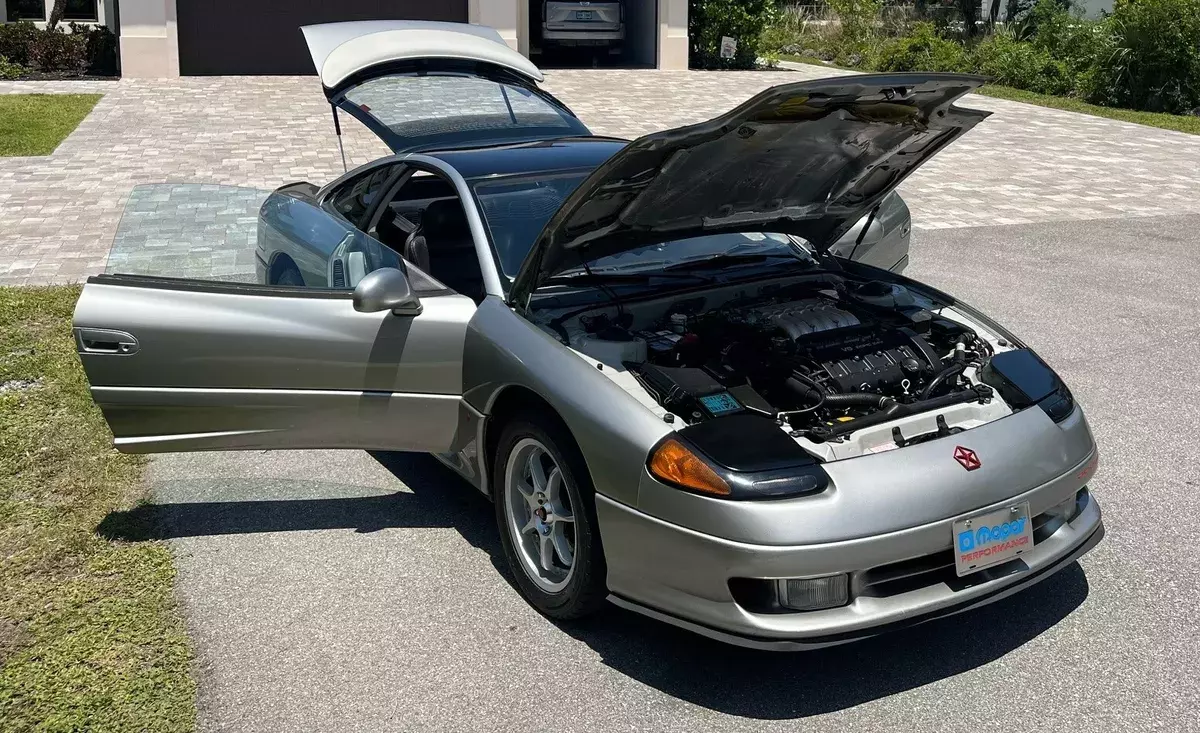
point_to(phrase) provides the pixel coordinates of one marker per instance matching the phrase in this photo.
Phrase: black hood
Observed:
(809, 158)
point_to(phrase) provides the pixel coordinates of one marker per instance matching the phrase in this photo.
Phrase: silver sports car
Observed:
(650, 356)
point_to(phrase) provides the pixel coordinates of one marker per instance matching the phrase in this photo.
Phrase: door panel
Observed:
(227, 366)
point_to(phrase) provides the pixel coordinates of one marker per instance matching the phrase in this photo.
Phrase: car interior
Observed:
(425, 222)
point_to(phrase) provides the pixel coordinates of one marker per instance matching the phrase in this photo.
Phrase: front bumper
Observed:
(581, 33)
(687, 582)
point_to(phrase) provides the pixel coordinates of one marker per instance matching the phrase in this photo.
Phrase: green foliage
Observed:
(788, 29)
(56, 50)
(90, 636)
(86, 48)
(1007, 61)
(742, 20)
(15, 39)
(9, 70)
(923, 50)
(1180, 123)
(101, 48)
(34, 124)
(1153, 60)
(859, 19)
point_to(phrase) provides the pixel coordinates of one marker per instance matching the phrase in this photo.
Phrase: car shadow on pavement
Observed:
(784, 685)
(704, 672)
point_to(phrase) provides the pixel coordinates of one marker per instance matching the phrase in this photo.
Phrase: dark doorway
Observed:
(573, 34)
(235, 37)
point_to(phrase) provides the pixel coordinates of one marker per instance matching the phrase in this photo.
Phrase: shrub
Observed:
(1152, 61)
(15, 39)
(54, 50)
(9, 70)
(858, 19)
(1067, 37)
(924, 50)
(1012, 63)
(742, 20)
(101, 50)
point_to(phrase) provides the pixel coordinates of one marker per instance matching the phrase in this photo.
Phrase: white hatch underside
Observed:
(340, 50)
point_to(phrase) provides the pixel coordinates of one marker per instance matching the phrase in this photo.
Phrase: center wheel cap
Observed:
(541, 513)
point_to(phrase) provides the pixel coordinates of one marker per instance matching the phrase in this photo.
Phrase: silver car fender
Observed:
(504, 352)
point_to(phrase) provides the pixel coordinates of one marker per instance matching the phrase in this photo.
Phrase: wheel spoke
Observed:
(537, 472)
(525, 489)
(559, 514)
(554, 485)
(562, 547)
(546, 553)
(530, 526)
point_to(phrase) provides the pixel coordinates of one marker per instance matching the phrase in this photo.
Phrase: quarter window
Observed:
(355, 197)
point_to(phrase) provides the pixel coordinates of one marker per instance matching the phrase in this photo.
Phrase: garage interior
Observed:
(639, 50)
(266, 38)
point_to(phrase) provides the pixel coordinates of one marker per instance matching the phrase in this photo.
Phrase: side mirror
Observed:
(386, 289)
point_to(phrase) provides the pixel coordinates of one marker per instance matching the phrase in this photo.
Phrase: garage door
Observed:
(263, 36)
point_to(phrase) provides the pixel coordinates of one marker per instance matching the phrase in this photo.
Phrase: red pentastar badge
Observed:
(967, 458)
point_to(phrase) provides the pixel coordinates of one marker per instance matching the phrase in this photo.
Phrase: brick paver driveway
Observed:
(59, 213)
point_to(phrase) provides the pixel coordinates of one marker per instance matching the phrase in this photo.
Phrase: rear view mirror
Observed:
(386, 289)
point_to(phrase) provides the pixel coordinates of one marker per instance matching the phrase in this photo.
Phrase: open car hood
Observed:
(809, 159)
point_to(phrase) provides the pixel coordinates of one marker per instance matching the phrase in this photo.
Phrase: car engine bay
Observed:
(844, 366)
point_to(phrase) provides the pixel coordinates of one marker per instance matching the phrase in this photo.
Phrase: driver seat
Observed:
(444, 247)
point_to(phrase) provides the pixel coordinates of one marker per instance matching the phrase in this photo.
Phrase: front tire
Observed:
(546, 511)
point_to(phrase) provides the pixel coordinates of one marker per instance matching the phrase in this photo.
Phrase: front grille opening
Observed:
(920, 572)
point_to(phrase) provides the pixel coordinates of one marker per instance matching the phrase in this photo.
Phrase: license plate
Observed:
(583, 15)
(991, 538)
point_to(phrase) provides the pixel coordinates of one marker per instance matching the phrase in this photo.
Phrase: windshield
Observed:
(517, 209)
(409, 110)
(698, 249)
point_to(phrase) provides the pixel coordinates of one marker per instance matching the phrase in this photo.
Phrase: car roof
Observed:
(532, 157)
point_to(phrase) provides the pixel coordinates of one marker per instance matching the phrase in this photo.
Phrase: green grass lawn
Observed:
(34, 124)
(90, 634)
(1179, 123)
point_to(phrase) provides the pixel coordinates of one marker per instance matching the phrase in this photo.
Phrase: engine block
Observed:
(802, 317)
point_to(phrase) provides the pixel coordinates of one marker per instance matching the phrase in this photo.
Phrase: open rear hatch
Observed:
(422, 85)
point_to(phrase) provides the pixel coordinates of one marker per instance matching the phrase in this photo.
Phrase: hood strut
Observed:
(337, 129)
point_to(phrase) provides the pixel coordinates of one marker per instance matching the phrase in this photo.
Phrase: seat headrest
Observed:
(445, 219)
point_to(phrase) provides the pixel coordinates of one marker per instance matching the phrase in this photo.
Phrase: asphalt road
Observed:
(332, 591)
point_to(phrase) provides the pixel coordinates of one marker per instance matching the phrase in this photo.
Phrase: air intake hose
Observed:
(847, 399)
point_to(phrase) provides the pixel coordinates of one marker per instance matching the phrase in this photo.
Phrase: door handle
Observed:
(105, 341)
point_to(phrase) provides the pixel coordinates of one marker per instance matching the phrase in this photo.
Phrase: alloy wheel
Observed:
(539, 515)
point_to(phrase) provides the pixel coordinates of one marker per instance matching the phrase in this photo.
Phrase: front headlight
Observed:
(675, 464)
(739, 457)
(1024, 380)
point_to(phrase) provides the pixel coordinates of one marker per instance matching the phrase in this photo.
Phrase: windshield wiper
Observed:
(582, 278)
(717, 261)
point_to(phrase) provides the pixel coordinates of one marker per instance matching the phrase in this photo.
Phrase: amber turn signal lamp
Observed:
(674, 463)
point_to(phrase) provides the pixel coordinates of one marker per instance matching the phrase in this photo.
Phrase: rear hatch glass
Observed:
(440, 110)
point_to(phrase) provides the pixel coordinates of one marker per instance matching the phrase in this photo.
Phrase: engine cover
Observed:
(803, 317)
(867, 358)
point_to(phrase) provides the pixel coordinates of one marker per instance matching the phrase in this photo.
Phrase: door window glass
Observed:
(249, 237)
